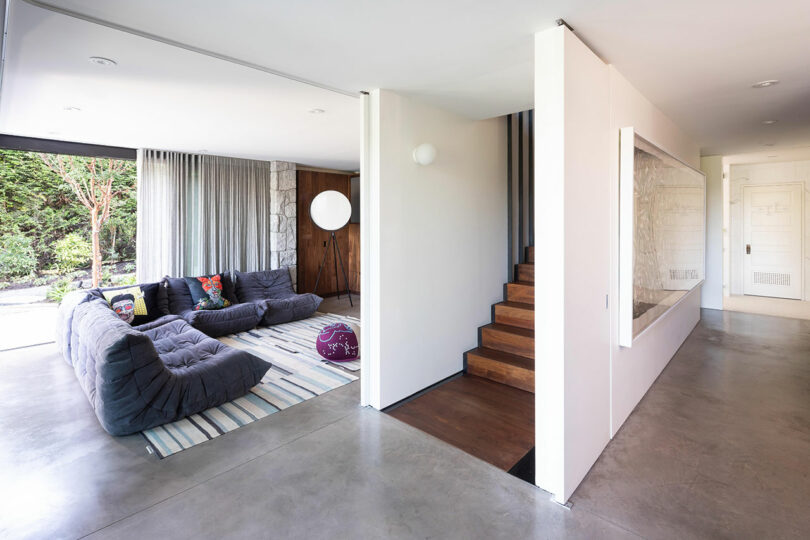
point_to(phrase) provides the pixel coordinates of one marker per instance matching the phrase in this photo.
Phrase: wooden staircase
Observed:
(505, 352)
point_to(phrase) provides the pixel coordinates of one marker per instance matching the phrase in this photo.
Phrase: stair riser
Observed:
(507, 342)
(525, 272)
(516, 292)
(522, 318)
(522, 379)
(530, 254)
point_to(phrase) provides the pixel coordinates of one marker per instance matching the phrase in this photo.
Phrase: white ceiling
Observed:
(696, 60)
(165, 97)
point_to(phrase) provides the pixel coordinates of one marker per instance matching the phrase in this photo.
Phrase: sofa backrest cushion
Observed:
(255, 286)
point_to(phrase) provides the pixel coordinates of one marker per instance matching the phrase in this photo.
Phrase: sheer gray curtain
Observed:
(201, 214)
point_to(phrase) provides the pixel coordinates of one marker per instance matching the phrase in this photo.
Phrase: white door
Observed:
(772, 240)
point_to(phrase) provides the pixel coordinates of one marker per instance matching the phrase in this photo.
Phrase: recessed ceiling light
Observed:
(767, 144)
(765, 84)
(769, 122)
(316, 111)
(71, 108)
(101, 61)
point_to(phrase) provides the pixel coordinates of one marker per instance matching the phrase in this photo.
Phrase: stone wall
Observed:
(283, 217)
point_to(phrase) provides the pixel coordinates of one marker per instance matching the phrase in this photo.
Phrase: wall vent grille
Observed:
(772, 278)
(682, 274)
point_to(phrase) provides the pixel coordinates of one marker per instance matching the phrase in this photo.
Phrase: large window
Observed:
(66, 221)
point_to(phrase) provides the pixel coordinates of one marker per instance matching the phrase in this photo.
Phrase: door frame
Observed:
(801, 187)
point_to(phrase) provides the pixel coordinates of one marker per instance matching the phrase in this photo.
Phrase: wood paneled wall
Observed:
(312, 239)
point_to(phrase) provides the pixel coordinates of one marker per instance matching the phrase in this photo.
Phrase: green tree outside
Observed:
(36, 203)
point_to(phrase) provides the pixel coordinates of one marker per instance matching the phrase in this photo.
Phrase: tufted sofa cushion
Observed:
(293, 308)
(140, 377)
(217, 322)
(274, 290)
(255, 286)
(229, 320)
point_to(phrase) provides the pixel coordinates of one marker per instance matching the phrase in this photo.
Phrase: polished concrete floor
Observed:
(341, 306)
(718, 449)
(720, 446)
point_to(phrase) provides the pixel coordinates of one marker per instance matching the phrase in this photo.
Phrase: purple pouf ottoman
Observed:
(337, 343)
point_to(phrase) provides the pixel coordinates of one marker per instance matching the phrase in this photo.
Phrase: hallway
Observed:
(719, 446)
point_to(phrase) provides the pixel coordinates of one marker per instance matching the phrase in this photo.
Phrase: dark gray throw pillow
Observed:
(178, 296)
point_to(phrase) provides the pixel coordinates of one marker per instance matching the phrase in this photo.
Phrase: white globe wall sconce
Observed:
(424, 154)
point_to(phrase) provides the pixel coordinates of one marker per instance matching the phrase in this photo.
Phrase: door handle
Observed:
(748, 249)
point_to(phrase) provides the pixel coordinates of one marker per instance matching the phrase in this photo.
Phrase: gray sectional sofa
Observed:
(138, 377)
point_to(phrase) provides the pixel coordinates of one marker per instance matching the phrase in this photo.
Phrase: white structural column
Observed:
(712, 289)
(573, 260)
(370, 252)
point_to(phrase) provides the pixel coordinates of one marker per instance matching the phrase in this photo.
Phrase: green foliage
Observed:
(40, 281)
(123, 279)
(59, 289)
(37, 203)
(72, 252)
(17, 256)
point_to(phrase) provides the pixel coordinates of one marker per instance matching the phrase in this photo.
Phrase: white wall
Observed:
(438, 240)
(634, 369)
(712, 290)
(586, 384)
(572, 219)
(764, 173)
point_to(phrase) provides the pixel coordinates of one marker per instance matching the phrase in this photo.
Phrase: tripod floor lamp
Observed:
(331, 210)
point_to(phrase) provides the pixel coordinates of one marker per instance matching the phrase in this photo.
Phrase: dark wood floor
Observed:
(491, 421)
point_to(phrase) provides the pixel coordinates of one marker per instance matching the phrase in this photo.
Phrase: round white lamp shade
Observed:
(424, 154)
(330, 210)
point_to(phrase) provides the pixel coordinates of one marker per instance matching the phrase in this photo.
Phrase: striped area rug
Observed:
(298, 374)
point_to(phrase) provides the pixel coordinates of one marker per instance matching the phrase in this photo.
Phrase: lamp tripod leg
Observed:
(334, 254)
(345, 277)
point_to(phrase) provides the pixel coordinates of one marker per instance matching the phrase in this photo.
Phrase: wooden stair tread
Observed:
(523, 283)
(502, 367)
(523, 332)
(516, 305)
(503, 357)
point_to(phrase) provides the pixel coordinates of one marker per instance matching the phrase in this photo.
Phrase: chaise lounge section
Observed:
(139, 377)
